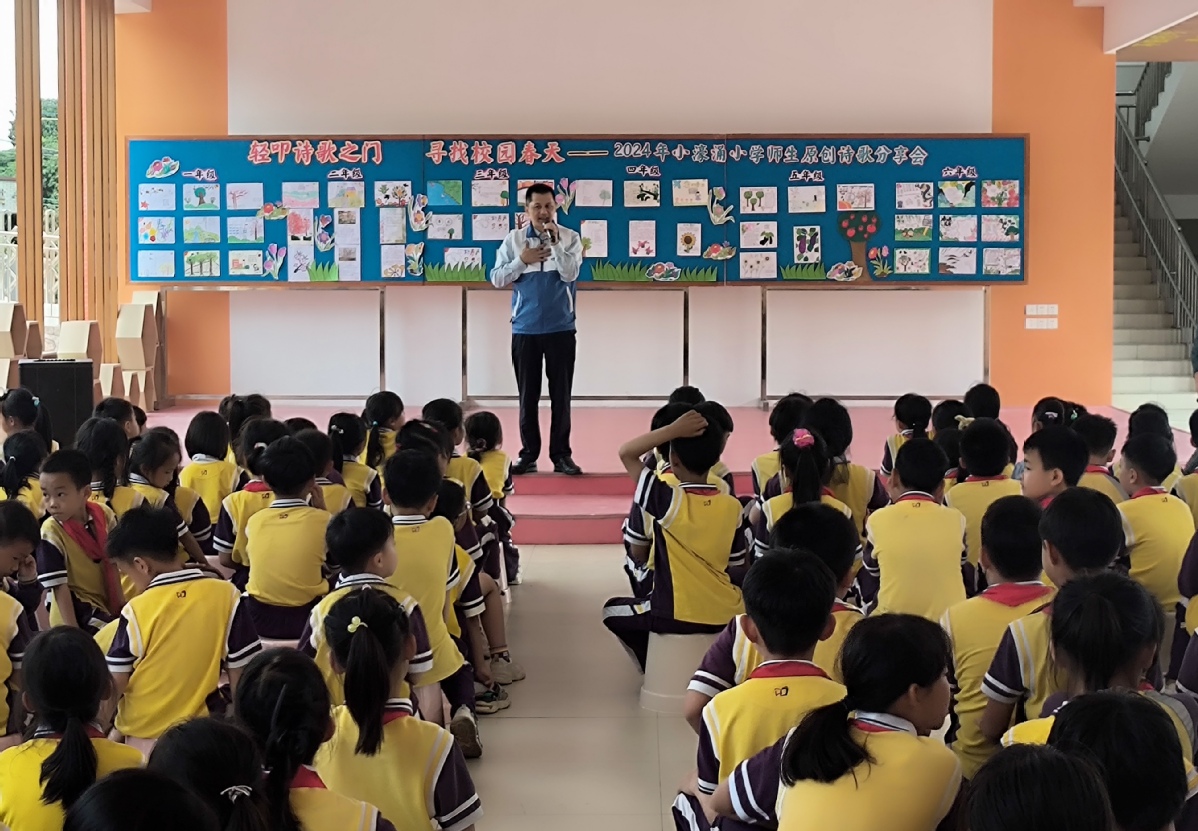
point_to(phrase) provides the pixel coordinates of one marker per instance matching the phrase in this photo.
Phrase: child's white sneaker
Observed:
(464, 727)
(505, 671)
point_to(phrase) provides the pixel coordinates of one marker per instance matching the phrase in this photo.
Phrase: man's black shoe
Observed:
(566, 465)
(523, 466)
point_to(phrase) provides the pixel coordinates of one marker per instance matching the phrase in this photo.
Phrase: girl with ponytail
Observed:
(106, 446)
(379, 752)
(154, 473)
(855, 485)
(283, 702)
(383, 416)
(65, 678)
(22, 410)
(807, 468)
(347, 432)
(228, 538)
(24, 453)
(236, 410)
(912, 416)
(846, 763)
(218, 762)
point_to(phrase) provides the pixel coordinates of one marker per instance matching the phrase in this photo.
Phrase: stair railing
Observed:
(1156, 229)
(1148, 92)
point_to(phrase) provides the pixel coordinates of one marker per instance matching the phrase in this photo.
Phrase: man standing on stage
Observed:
(541, 263)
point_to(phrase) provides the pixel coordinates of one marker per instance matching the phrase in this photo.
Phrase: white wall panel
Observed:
(725, 343)
(304, 342)
(424, 342)
(629, 343)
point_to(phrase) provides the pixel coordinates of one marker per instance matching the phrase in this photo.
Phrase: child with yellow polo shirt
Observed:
(379, 753)
(1134, 744)
(462, 468)
(912, 417)
(831, 537)
(786, 417)
(18, 602)
(855, 485)
(285, 544)
(915, 548)
(427, 570)
(1066, 794)
(176, 636)
(808, 468)
(1054, 459)
(868, 760)
(484, 438)
(336, 495)
(1099, 433)
(72, 557)
(65, 682)
(153, 471)
(383, 416)
(695, 526)
(228, 538)
(983, 458)
(788, 602)
(24, 453)
(347, 434)
(1157, 527)
(1082, 534)
(208, 473)
(1151, 419)
(1010, 556)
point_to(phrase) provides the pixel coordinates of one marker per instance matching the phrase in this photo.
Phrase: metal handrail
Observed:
(1165, 248)
(1148, 92)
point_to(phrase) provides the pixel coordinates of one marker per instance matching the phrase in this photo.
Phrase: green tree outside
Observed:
(8, 158)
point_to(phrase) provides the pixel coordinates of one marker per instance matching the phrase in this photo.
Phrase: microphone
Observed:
(550, 234)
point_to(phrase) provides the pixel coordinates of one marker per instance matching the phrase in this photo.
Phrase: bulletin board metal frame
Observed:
(871, 261)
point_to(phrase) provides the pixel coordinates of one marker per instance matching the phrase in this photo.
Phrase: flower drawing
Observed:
(719, 251)
(565, 194)
(663, 272)
(688, 241)
(719, 214)
(272, 263)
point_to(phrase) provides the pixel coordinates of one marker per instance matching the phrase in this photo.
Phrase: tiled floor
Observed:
(575, 750)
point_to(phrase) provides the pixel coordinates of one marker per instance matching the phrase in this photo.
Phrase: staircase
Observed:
(1152, 356)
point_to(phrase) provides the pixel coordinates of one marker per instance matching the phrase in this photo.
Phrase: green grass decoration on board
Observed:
(455, 273)
(809, 271)
(322, 273)
(603, 271)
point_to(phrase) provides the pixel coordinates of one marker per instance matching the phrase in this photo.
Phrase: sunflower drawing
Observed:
(688, 241)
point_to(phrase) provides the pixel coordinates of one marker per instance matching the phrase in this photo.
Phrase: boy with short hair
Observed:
(175, 636)
(915, 548)
(72, 558)
(832, 538)
(695, 530)
(1054, 460)
(984, 458)
(427, 570)
(1186, 488)
(1157, 527)
(361, 544)
(788, 598)
(1082, 533)
(1099, 433)
(1010, 556)
(336, 495)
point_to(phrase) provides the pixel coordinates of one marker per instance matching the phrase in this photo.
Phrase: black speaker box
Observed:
(65, 388)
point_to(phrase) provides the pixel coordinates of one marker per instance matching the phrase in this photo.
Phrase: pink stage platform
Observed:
(552, 509)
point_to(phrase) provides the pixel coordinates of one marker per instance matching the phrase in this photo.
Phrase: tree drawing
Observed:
(857, 227)
(235, 196)
(201, 194)
(201, 263)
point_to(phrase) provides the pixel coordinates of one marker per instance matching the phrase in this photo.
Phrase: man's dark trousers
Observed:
(555, 354)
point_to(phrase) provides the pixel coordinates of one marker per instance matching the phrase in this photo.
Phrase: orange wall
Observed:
(1052, 81)
(172, 78)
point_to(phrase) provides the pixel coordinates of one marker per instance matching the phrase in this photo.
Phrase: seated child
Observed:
(484, 438)
(137, 800)
(176, 636)
(410, 768)
(465, 469)
(122, 412)
(348, 436)
(983, 458)
(808, 467)
(689, 395)
(153, 466)
(867, 761)
(18, 540)
(24, 453)
(1038, 787)
(218, 762)
(855, 485)
(297, 424)
(283, 702)
(228, 538)
(1010, 556)
(22, 410)
(912, 415)
(718, 413)
(788, 600)
(1157, 527)
(361, 545)
(1082, 535)
(427, 571)
(237, 411)
(786, 417)
(948, 415)
(1152, 419)
(208, 473)
(383, 416)
(65, 682)
(983, 401)
(695, 530)
(915, 548)
(1134, 745)
(1054, 460)
(1048, 412)
(949, 442)
(336, 496)
(285, 544)
(1099, 434)
(106, 446)
(72, 557)
(823, 531)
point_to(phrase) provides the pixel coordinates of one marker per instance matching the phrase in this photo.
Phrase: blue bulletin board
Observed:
(791, 210)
